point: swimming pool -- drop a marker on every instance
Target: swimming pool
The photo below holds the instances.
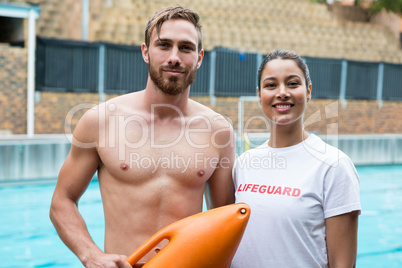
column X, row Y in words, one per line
column 380, row 224
column 28, row 239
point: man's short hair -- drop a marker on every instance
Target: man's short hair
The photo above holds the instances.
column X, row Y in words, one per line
column 170, row 13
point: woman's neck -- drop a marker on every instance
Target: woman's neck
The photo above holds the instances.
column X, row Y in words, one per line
column 286, row 135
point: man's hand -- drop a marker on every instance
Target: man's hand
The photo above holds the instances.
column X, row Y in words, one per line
column 108, row 261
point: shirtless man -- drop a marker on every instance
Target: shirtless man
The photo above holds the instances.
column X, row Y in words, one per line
column 155, row 151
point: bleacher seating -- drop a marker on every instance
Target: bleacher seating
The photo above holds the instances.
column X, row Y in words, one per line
column 256, row 26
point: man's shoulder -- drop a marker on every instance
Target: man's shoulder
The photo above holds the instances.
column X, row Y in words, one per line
column 119, row 105
column 201, row 109
column 126, row 104
column 216, row 119
column 125, row 98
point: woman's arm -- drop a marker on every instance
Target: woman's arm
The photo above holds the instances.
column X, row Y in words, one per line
column 341, row 234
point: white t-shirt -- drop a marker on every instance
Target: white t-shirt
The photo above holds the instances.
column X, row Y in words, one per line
column 291, row 191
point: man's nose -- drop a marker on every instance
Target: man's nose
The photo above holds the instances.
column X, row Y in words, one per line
column 174, row 58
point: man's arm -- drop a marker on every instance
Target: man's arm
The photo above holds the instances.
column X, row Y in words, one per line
column 74, row 178
column 341, row 233
column 219, row 190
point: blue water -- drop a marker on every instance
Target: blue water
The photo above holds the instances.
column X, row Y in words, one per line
column 380, row 225
column 28, row 239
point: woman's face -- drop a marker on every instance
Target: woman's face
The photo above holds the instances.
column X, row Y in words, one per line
column 283, row 93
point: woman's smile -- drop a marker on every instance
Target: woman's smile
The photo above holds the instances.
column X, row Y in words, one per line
column 283, row 94
column 283, row 107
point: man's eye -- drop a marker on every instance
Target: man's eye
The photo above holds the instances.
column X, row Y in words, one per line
column 187, row 48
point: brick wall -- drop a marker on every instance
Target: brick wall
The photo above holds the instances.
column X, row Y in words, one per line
column 13, row 84
column 53, row 109
column 59, row 112
column 349, row 12
column 323, row 116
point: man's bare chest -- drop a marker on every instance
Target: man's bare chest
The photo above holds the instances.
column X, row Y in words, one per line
column 160, row 152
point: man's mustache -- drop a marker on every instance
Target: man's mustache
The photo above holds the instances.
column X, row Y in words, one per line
column 173, row 67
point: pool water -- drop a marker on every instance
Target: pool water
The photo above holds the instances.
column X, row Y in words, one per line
column 27, row 236
column 28, row 239
column 380, row 224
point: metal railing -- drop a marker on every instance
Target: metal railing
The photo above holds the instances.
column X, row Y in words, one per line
column 73, row 66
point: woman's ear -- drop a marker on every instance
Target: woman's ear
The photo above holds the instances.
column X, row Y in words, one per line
column 259, row 96
column 309, row 92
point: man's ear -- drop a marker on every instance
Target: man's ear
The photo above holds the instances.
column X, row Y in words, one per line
column 200, row 57
column 145, row 55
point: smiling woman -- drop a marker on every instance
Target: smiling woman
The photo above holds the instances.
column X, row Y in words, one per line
column 304, row 211
column 284, row 93
column 284, row 88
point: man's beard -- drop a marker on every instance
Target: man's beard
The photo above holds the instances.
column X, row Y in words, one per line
column 173, row 85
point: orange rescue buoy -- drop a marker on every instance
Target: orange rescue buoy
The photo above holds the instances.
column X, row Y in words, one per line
column 205, row 240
